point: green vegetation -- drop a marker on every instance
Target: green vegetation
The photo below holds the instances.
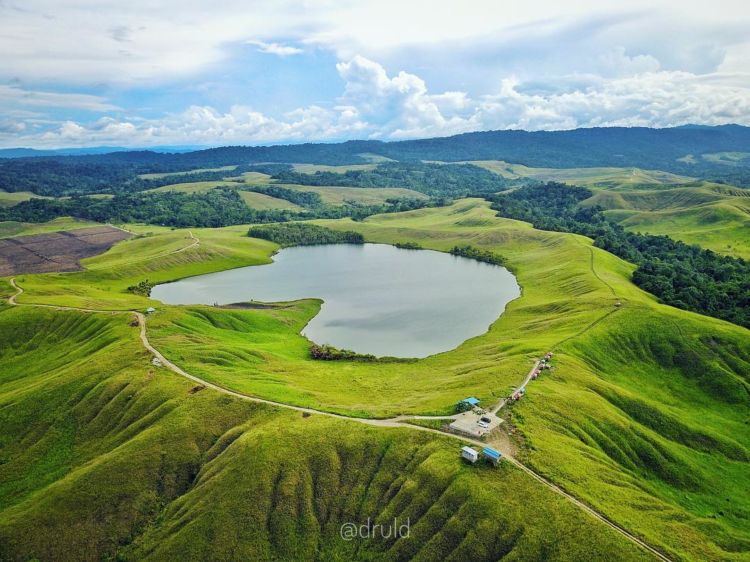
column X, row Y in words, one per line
column 15, row 228
column 91, row 428
column 455, row 180
column 644, row 416
column 186, row 172
column 408, row 245
column 301, row 198
column 330, row 353
column 680, row 275
column 337, row 196
column 261, row 202
column 486, row 256
column 302, row 234
column 217, row 207
column 11, row 199
column 142, row 288
column 712, row 215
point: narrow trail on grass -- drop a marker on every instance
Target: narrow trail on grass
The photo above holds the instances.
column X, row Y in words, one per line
column 397, row 422
column 593, row 270
column 195, row 241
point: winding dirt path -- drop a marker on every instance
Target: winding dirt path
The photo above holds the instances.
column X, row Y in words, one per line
column 398, row 422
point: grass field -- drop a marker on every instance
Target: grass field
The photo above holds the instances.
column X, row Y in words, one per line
column 711, row 215
column 364, row 195
column 714, row 216
column 262, row 201
column 106, row 457
column 8, row 199
column 194, row 186
column 611, row 178
column 186, row 172
column 644, row 416
column 312, row 168
column 13, row 228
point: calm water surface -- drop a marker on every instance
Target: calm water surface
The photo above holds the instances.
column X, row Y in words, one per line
column 377, row 299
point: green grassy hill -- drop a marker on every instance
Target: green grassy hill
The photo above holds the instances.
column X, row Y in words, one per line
column 712, row 215
column 645, row 416
column 106, row 457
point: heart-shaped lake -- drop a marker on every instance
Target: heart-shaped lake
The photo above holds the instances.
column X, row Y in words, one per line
column 377, row 298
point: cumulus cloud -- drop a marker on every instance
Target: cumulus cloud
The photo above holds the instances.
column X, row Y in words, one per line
column 374, row 104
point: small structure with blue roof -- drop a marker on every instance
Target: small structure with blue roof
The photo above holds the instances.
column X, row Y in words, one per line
column 492, row 455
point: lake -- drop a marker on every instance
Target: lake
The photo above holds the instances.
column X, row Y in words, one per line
column 378, row 299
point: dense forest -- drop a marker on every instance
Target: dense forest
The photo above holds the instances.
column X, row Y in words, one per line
column 308, row 199
column 677, row 149
column 58, row 178
column 304, row 234
column 684, row 276
column 217, row 207
column 454, row 180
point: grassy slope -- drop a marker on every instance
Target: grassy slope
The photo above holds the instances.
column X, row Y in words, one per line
column 714, row 216
column 587, row 177
column 186, row 172
column 365, row 195
column 13, row 228
column 157, row 255
column 312, row 168
column 648, row 425
column 262, row 201
column 105, row 456
column 10, row 199
column 194, row 186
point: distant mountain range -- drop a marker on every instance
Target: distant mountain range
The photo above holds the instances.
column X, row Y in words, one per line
column 31, row 152
column 677, row 149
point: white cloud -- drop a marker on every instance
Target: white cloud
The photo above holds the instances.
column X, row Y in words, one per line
column 375, row 104
column 17, row 96
column 81, row 41
column 276, row 48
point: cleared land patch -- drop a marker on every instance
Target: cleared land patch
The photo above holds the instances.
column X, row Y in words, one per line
column 56, row 251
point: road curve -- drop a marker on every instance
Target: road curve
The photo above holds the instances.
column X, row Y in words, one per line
column 398, row 421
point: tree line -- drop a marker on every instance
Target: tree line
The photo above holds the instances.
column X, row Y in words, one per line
column 454, row 180
column 304, row 234
column 216, row 207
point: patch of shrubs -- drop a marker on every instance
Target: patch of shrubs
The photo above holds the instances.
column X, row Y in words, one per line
column 330, row 353
column 478, row 254
column 143, row 288
column 302, row 234
column 408, row 245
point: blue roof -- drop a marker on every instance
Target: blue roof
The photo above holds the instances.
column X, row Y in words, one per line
column 471, row 400
column 492, row 453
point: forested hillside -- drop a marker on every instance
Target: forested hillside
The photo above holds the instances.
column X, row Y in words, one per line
column 691, row 150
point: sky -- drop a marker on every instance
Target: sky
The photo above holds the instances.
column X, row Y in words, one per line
column 184, row 72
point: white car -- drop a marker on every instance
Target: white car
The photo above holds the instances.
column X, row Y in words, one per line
column 484, row 423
